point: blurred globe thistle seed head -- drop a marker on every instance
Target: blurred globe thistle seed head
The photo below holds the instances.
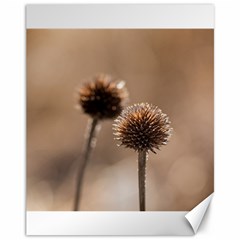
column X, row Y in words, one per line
column 103, row 98
column 142, row 127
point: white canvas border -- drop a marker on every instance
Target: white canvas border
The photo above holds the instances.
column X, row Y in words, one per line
column 107, row 223
column 119, row 16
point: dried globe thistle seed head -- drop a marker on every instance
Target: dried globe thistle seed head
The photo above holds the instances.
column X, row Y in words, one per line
column 142, row 127
column 103, row 98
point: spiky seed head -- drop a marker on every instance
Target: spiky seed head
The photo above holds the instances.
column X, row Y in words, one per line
column 142, row 127
column 103, row 98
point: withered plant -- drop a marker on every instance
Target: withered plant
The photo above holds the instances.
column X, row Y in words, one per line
column 103, row 98
column 142, row 127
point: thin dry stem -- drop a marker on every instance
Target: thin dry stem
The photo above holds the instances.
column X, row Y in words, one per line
column 89, row 145
column 142, row 158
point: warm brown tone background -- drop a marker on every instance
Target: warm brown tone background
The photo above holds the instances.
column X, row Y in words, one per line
column 169, row 68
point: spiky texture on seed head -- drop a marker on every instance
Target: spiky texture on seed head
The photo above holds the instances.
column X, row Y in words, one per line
column 103, row 98
column 142, row 127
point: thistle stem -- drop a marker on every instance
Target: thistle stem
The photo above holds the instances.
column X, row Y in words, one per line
column 88, row 146
column 142, row 157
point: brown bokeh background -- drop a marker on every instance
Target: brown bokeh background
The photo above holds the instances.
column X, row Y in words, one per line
column 172, row 69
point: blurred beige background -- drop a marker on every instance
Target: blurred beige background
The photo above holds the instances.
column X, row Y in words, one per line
column 172, row 69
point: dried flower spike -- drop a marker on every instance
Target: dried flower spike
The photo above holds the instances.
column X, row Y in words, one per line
column 142, row 127
column 103, row 98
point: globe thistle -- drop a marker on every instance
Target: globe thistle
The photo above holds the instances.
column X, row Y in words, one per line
column 103, row 98
column 142, row 127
